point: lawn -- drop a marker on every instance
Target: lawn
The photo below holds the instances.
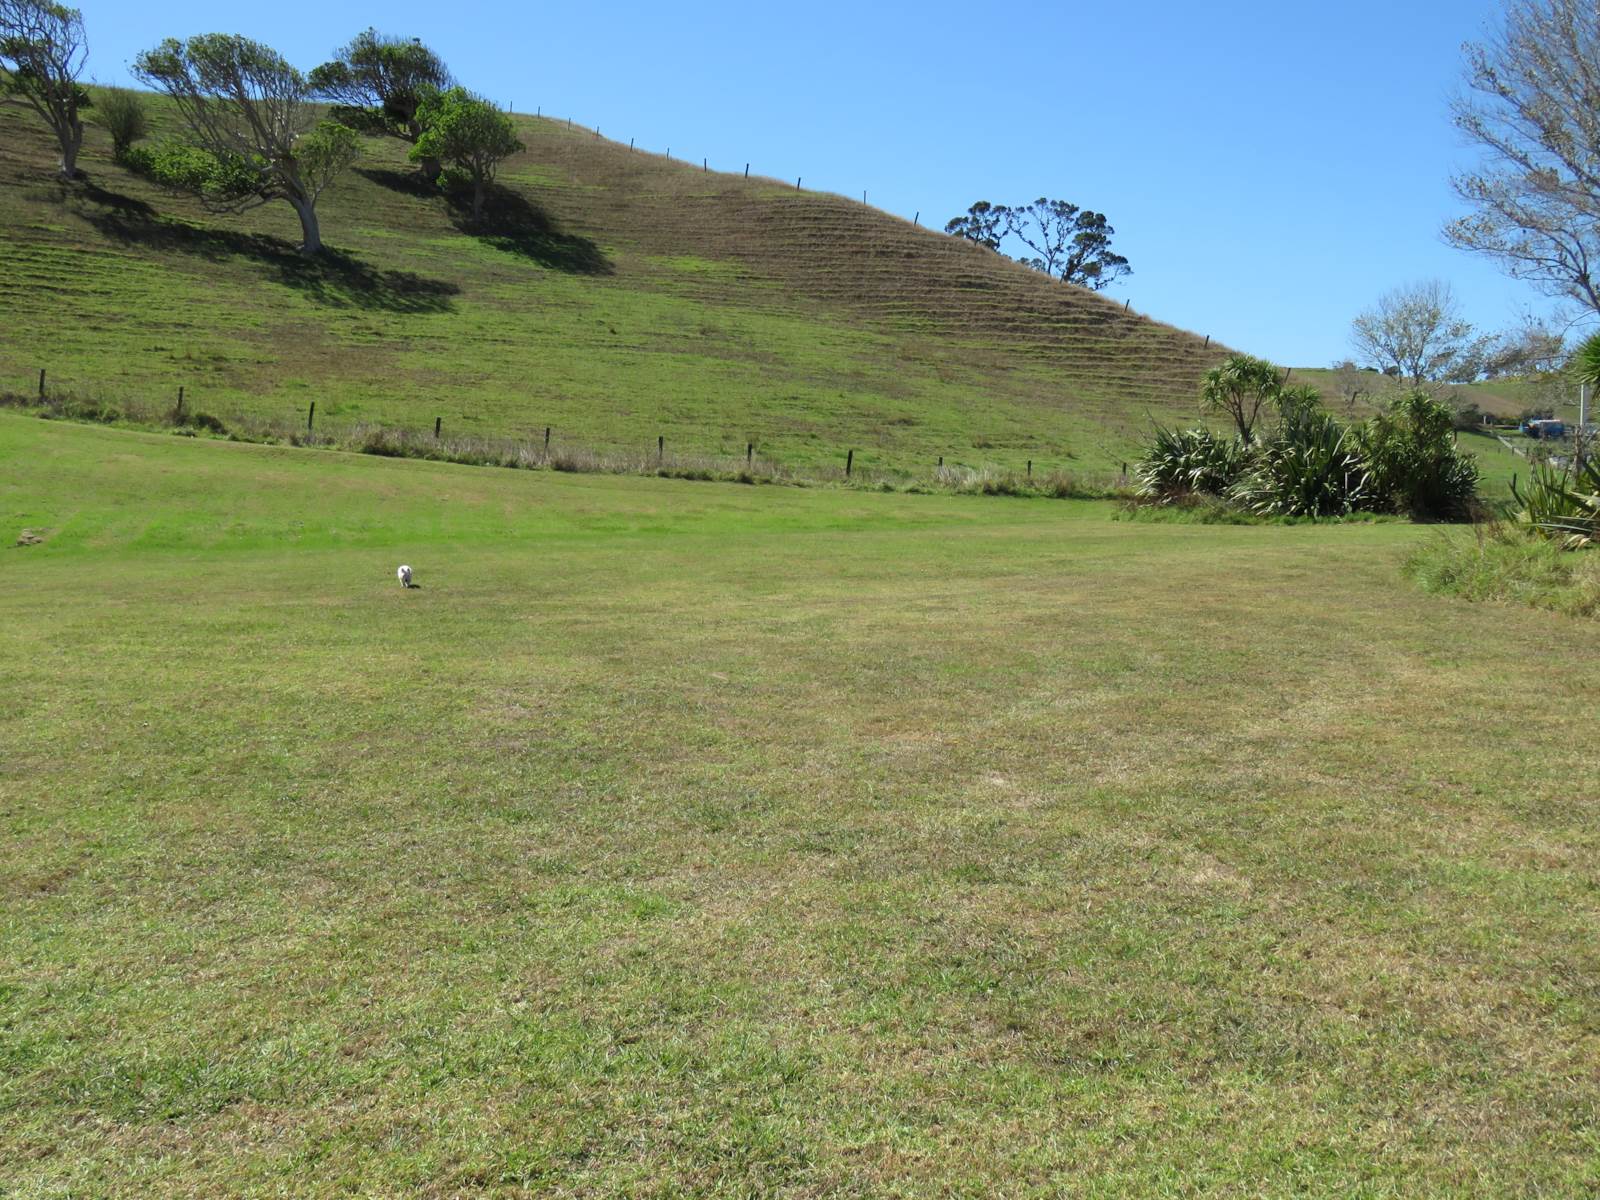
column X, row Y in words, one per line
column 696, row 839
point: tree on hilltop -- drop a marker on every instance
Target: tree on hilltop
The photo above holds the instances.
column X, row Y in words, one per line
column 983, row 223
column 468, row 134
column 249, row 113
column 387, row 79
column 1071, row 243
column 43, row 50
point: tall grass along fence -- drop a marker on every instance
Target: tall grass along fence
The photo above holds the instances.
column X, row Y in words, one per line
column 549, row 453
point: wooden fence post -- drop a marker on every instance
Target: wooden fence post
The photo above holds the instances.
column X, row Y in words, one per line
column 178, row 414
column 747, row 170
column 661, row 447
column 41, row 383
column 1030, row 468
column 849, row 463
column 311, row 415
column 547, row 441
column 749, row 454
column 436, row 423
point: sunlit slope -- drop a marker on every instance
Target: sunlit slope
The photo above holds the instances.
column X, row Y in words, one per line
column 622, row 296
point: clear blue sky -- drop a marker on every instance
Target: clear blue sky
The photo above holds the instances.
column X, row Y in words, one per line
column 1270, row 168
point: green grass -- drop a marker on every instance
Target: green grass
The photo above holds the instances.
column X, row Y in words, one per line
column 1508, row 564
column 624, row 297
column 683, row 838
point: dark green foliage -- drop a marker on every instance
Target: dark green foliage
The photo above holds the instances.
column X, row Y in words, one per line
column 1562, row 503
column 1311, row 465
column 123, row 114
column 1413, row 461
column 218, row 179
column 1183, row 462
column 983, row 223
column 470, row 136
column 1307, row 467
column 386, row 79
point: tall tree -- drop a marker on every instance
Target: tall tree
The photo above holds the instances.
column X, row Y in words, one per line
column 468, row 134
column 1417, row 332
column 43, row 51
column 1532, row 106
column 983, row 223
column 1240, row 388
column 1071, row 243
column 250, row 109
column 387, row 77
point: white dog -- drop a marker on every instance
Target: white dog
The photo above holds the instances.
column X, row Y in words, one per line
column 405, row 576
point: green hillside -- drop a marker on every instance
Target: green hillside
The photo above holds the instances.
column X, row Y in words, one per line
column 624, row 297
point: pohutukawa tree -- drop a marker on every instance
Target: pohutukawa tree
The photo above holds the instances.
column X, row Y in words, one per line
column 43, row 51
column 1533, row 108
column 983, row 223
column 386, row 77
column 1071, row 243
column 469, row 135
column 250, row 110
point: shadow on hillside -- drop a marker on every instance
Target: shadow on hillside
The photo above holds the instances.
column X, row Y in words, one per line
column 511, row 222
column 334, row 277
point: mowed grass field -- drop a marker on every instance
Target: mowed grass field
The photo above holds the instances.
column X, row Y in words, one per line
column 617, row 297
column 693, row 839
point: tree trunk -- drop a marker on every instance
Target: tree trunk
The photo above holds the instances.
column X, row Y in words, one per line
column 311, row 236
column 432, row 168
column 71, row 140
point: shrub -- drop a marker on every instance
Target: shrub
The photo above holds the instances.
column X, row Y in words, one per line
column 1507, row 563
column 1180, row 462
column 1562, row 503
column 1414, row 464
column 124, row 117
column 191, row 169
column 1308, row 467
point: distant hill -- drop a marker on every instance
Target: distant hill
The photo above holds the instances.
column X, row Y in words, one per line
column 625, row 296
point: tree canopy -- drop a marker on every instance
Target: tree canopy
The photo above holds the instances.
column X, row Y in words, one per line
column 1070, row 243
column 389, row 76
column 248, row 108
column 469, row 135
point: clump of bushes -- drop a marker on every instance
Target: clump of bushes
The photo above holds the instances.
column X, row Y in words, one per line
column 1504, row 563
column 123, row 114
column 1310, row 464
column 1562, row 504
column 195, row 171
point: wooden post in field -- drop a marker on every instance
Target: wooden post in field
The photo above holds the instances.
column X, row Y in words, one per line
column 661, row 448
column 178, row 413
column 941, row 462
column 797, row 185
column 747, row 170
column 311, row 415
column 849, row 463
column 630, row 145
column 437, row 421
column 916, row 220
column 749, row 454
column 41, row 383
column 1030, row 468
column 1208, row 341
column 863, row 196
column 1125, row 304
column 705, row 164
column 547, row 441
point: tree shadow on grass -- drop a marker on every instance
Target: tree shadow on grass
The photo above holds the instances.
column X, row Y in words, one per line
column 510, row 222
column 335, row 278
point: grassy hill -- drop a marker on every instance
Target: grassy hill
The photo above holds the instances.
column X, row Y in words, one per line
column 678, row 839
column 623, row 296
